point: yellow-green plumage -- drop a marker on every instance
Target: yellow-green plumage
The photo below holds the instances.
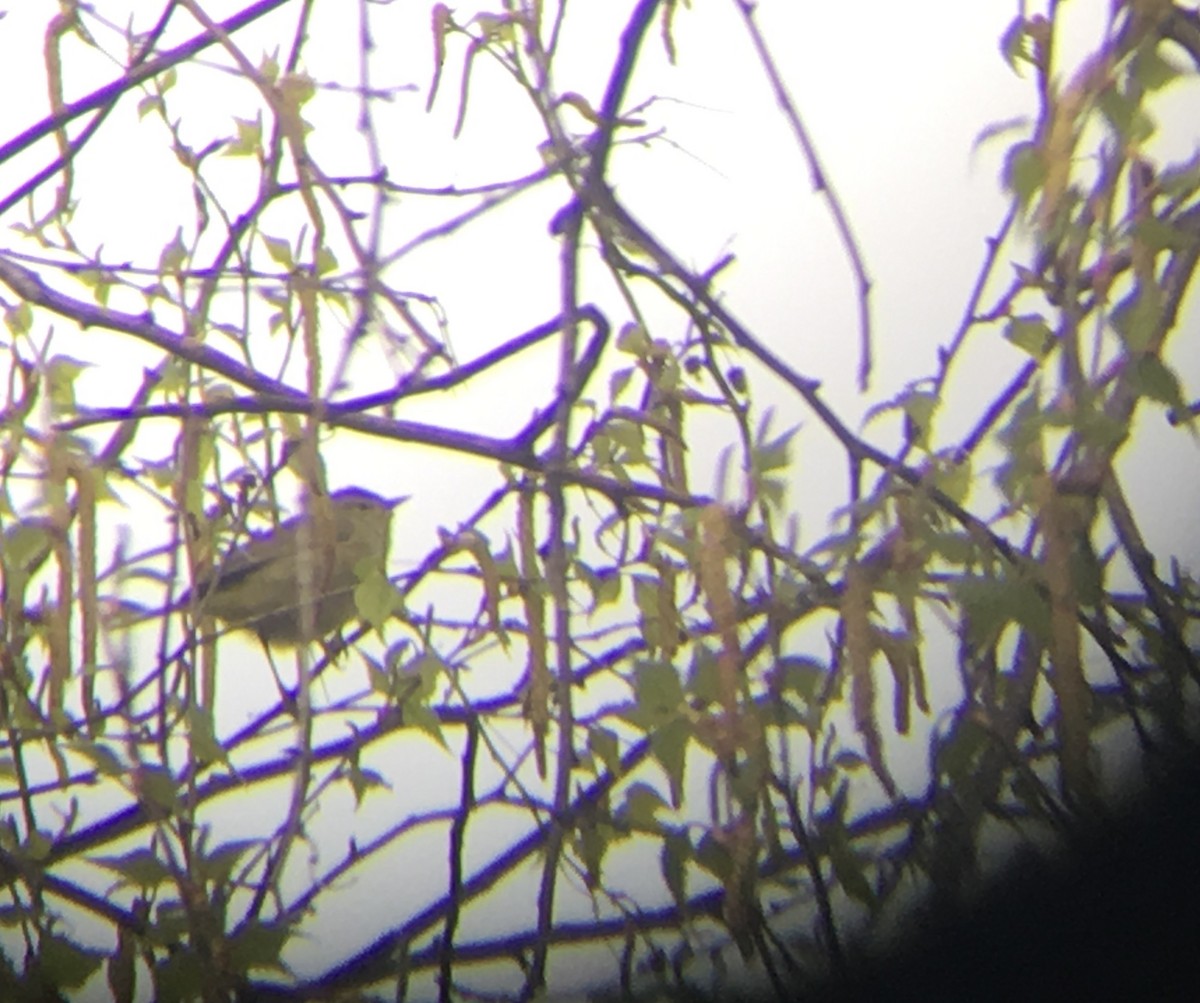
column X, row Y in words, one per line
column 296, row 583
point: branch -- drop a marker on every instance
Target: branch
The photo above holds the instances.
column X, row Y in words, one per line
column 131, row 78
column 821, row 183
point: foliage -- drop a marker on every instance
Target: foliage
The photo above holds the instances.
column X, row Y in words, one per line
column 678, row 672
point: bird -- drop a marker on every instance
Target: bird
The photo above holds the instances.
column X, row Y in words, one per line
column 296, row 583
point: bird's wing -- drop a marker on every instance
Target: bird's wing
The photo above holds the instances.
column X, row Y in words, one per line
column 233, row 569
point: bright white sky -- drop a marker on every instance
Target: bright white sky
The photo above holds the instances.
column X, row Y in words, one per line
column 893, row 94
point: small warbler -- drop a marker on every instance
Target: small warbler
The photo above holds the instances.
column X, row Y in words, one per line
column 296, row 583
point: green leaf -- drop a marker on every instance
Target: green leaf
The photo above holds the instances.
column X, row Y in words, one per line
column 326, row 262
column 205, row 747
column 1024, row 429
column 604, row 745
column 669, row 745
column 19, row 319
column 268, row 67
column 703, row 680
column 217, row 866
column 1137, row 316
column 657, row 615
column 362, row 782
column 917, row 404
column 633, row 340
column 642, row 803
column 682, row 543
column 1098, row 429
column 157, row 786
column 954, row 480
column 667, row 376
column 174, row 255
column 748, row 782
column 991, row 604
column 180, row 977
column 497, row 27
column 771, row 454
column 25, row 546
column 658, row 695
column 1151, row 378
column 1153, row 70
column 954, row 548
column 375, row 597
column 1087, row 573
column 139, row 868
column 258, row 945
column 61, row 373
column 1031, row 334
column 626, row 434
column 148, row 104
column 957, row 757
column 918, row 407
column 604, row 585
column 1121, row 111
column 673, row 859
column 1177, row 181
column 848, row 868
column 100, row 281
column 1159, row 235
column 280, row 252
column 1024, row 172
column 618, row 381
column 37, row 845
column 171, row 925
column 713, row 857
column 418, row 715
column 1127, row 116
column 592, row 840
column 806, row 677
column 65, row 964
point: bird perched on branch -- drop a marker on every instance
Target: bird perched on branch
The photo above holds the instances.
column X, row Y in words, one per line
column 296, row 583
